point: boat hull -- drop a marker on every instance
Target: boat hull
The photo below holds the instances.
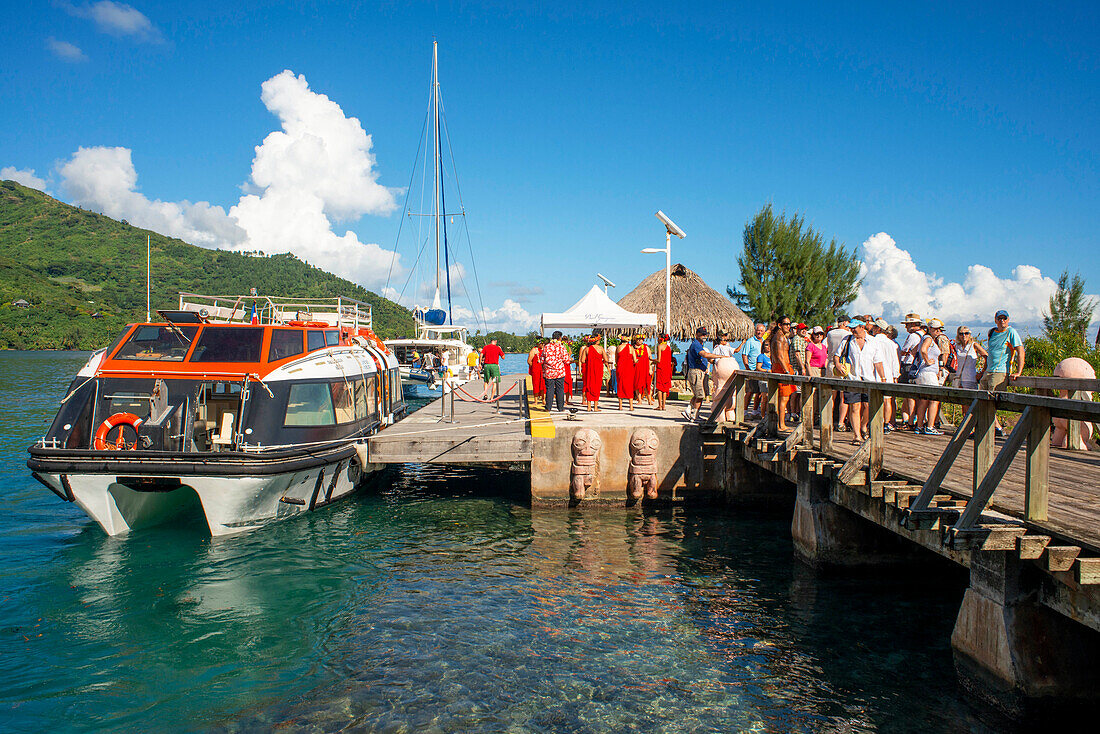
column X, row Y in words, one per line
column 124, row 499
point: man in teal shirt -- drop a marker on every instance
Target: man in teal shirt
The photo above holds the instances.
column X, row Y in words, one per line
column 1003, row 343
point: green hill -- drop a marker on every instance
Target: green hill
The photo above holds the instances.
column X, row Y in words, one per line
column 84, row 275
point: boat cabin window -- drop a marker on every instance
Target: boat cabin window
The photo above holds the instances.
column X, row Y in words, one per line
column 314, row 340
column 160, row 343
column 310, row 404
column 368, row 396
column 332, row 338
column 284, row 343
column 229, row 344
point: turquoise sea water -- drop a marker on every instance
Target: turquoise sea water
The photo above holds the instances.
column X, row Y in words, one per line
column 438, row 601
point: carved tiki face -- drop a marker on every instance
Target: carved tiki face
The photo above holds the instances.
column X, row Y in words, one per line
column 586, row 443
column 643, row 446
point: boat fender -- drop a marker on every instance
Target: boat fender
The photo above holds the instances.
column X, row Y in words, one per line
column 114, row 421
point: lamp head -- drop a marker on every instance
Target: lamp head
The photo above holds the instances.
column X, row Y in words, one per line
column 652, row 250
column 606, row 282
column 670, row 225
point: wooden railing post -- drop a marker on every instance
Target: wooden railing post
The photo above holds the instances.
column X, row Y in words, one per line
column 809, row 395
column 1037, row 481
column 875, row 427
column 825, row 416
column 1073, row 427
column 740, row 384
column 773, row 406
column 984, row 446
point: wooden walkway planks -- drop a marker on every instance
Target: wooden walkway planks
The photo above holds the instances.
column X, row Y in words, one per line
column 1074, row 479
column 478, row 435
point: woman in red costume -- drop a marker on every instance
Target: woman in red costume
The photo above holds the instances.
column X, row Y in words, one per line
column 624, row 368
column 663, row 378
column 592, row 372
column 642, row 370
column 534, row 368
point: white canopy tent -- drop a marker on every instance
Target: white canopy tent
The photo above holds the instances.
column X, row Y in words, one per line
column 597, row 311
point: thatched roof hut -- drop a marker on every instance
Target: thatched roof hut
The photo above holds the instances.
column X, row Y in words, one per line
column 694, row 304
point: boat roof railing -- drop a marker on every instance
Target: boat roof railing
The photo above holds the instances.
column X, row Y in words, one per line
column 340, row 311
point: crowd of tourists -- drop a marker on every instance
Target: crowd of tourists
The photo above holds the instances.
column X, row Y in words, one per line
column 869, row 349
column 863, row 348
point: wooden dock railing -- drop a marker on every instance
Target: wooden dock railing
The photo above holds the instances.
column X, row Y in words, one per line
column 1032, row 430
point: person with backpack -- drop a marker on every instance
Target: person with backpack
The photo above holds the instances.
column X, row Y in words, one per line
column 914, row 325
column 930, row 372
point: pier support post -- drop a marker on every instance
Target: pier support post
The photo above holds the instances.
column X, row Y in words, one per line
column 1015, row 654
column 826, row 534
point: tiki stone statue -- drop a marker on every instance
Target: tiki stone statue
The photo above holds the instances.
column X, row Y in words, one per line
column 642, row 474
column 586, row 446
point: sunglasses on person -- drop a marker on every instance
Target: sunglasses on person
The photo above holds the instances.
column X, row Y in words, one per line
column 784, row 323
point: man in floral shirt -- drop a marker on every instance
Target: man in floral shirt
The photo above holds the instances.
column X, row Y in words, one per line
column 554, row 358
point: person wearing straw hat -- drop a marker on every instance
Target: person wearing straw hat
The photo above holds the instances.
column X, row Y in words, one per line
column 930, row 374
column 914, row 326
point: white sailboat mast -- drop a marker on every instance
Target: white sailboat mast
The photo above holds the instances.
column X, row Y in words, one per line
column 435, row 168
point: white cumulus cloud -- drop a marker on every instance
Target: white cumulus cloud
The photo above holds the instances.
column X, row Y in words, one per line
column 316, row 169
column 105, row 179
column 24, row 176
column 117, row 19
column 65, row 50
column 511, row 317
column 893, row 285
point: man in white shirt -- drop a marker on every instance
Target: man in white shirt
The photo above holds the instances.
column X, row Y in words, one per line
column 863, row 356
column 833, row 340
column 890, row 363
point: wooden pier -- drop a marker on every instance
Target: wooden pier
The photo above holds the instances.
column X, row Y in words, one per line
column 461, row 430
column 1023, row 517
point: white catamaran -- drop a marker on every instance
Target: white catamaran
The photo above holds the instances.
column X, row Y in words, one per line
column 436, row 333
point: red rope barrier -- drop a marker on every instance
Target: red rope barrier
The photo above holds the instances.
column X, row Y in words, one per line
column 479, row 400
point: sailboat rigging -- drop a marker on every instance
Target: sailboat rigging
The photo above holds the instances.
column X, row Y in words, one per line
column 439, row 347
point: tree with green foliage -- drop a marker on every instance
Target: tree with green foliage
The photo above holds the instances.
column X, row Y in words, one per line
column 787, row 268
column 1070, row 312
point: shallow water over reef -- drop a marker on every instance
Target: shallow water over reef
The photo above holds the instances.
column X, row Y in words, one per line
column 438, row 601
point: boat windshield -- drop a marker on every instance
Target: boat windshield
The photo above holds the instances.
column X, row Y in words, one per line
column 229, row 344
column 158, row 343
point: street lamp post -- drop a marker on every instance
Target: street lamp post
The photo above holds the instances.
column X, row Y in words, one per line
column 670, row 229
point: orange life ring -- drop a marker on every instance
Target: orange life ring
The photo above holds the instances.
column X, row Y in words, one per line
column 118, row 419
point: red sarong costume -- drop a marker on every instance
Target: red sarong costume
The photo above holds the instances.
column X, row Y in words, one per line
column 538, row 385
column 780, row 369
column 624, row 369
column 569, row 378
column 592, row 376
column 642, row 374
column 663, row 378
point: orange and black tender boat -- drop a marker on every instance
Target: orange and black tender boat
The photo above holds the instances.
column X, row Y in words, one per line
column 256, row 407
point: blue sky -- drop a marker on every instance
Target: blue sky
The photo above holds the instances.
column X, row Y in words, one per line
column 950, row 145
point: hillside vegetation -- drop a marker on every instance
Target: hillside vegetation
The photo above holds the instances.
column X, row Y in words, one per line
column 71, row 264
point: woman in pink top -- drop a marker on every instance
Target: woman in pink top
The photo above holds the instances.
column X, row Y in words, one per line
column 818, row 352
